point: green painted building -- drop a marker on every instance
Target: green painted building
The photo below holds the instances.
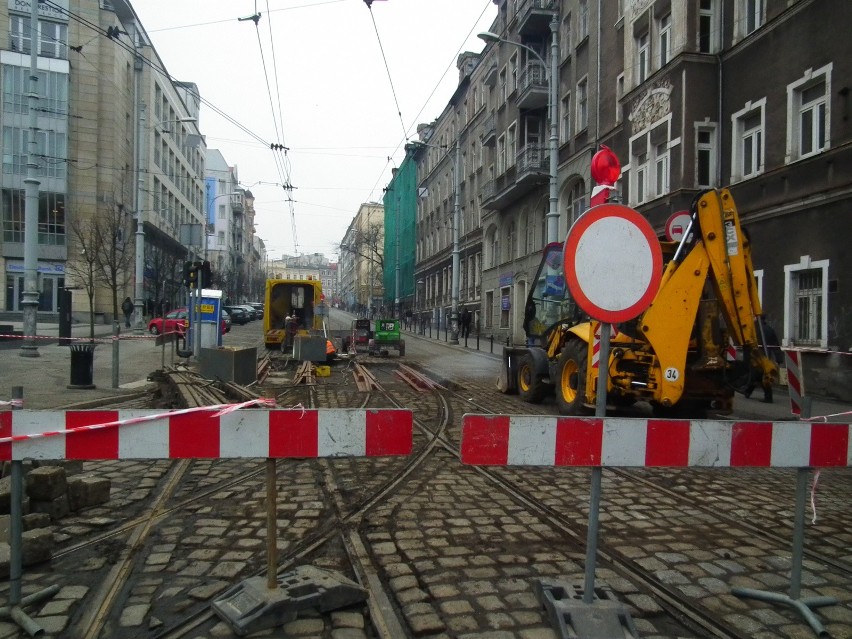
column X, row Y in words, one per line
column 400, row 202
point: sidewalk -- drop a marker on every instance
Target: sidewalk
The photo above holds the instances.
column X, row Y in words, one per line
column 45, row 378
column 748, row 408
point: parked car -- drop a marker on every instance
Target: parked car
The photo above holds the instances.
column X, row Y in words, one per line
column 252, row 313
column 238, row 315
column 257, row 306
column 174, row 322
column 226, row 322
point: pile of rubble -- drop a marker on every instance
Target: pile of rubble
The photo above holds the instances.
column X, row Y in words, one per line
column 51, row 492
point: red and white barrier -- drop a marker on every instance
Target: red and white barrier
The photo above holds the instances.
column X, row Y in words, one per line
column 596, row 344
column 795, row 381
column 207, row 433
column 521, row 440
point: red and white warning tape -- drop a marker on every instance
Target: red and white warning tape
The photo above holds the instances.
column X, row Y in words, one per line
column 222, row 409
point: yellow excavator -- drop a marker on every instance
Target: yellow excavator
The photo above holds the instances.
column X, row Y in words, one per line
column 672, row 355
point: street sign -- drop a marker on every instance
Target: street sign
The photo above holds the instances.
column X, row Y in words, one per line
column 613, row 263
column 676, row 225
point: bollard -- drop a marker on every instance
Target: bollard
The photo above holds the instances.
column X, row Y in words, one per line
column 16, row 551
column 115, row 354
column 477, row 340
column 492, row 343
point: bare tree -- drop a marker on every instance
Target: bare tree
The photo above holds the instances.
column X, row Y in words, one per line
column 368, row 244
column 114, row 258
column 83, row 242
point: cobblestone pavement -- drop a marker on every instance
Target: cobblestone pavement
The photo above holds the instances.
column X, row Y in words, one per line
column 456, row 555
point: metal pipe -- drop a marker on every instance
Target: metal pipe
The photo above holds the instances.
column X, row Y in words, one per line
column 29, row 300
column 454, row 313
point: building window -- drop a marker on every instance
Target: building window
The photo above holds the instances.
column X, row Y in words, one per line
column 643, row 49
column 565, row 37
column 513, row 74
column 501, row 155
column 753, row 15
column 705, row 156
column 511, row 144
column 665, row 39
column 806, row 301
column 19, row 33
column 748, row 141
column 53, row 39
column 808, row 114
column 661, row 169
column 489, row 309
column 503, row 90
column 51, row 217
column 619, row 94
column 708, row 26
column 582, row 104
column 576, row 202
column 565, row 129
column 504, row 302
column 583, row 20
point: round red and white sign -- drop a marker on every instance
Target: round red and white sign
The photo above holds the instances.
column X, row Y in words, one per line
column 676, row 225
column 613, row 263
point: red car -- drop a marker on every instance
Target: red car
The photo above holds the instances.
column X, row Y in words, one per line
column 176, row 321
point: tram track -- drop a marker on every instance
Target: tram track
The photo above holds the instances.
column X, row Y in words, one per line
column 354, row 489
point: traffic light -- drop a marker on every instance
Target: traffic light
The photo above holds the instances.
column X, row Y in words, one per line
column 206, row 276
column 190, row 274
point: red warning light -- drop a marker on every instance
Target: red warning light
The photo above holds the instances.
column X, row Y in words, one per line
column 606, row 168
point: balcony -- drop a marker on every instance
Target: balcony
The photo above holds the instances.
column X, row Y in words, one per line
column 489, row 130
column 490, row 76
column 534, row 16
column 237, row 202
column 532, row 87
column 530, row 172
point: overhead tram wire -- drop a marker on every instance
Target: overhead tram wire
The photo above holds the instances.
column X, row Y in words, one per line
column 369, row 4
column 96, row 28
column 450, row 64
column 112, row 36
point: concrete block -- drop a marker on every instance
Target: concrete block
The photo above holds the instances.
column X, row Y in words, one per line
column 87, row 491
column 28, row 522
column 56, row 508
column 238, row 365
column 309, row 349
column 6, row 497
column 36, row 548
column 46, row 483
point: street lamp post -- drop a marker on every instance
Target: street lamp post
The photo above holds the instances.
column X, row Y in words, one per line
column 29, row 303
column 552, row 114
column 455, row 267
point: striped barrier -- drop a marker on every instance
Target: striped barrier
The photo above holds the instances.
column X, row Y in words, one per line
column 596, row 344
column 795, row 381
column 204, row 433
column 629, row 442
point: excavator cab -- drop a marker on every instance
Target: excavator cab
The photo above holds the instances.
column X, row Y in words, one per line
column 549, row 301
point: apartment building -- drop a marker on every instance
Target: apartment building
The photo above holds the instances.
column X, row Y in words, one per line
column 118, row 158
column 362, row 260
column 711, row 93
column 400, row 206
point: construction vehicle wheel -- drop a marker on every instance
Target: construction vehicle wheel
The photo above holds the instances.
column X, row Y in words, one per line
column 571, row 378
column 531, row 388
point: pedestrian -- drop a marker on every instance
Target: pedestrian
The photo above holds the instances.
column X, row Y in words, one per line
column 127, row 309
column 465, row 323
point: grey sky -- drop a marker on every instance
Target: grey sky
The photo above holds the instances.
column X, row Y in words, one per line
column 332, row 101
